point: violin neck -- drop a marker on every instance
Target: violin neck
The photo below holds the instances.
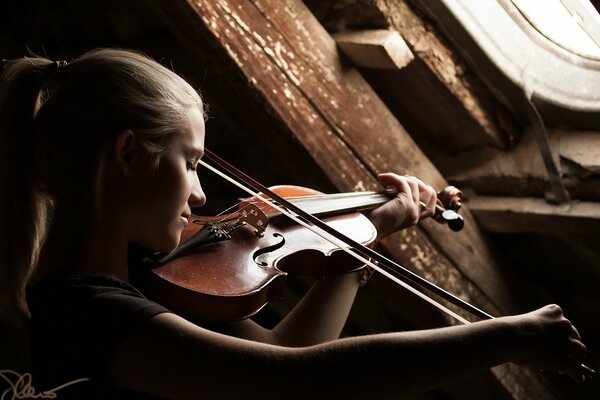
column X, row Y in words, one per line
column 340, row 203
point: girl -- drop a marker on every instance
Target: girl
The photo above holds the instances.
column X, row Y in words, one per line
column 88, row 151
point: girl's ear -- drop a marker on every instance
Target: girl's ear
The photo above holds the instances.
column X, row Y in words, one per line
column 124, row 150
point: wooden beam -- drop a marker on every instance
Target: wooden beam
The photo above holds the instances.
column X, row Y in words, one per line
column 531, row 215
column 378, row 48
column 520, row 171
column 581, row 148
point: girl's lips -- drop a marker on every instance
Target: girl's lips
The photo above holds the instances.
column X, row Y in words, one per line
column 185, row 220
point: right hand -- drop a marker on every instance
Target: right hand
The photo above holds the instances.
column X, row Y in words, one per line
column 547, row 340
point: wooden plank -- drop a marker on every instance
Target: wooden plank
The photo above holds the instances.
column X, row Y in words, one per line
column 580, row 163
column 581, row 148
column 377, row 48
column 531, row 215
column 520, row 171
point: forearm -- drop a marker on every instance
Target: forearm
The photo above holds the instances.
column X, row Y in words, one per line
column 318, row 317
column 321, row 314
column 412, row 362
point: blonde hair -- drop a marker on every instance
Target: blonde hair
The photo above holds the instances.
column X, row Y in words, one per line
column 55, row 120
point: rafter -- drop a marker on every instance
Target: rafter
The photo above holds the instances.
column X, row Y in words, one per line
column 534, row 215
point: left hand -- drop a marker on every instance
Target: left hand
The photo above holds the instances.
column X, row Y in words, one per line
column 404, row 210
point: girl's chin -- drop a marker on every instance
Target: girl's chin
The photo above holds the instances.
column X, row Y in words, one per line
column 169, row 244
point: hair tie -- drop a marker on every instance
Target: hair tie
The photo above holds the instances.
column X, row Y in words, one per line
column 55, row 67
column 59, row 64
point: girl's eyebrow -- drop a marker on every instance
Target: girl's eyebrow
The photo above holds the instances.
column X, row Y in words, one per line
column 194, row 151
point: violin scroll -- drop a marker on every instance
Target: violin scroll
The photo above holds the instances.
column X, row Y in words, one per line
column 449, row 202
column 451, row 198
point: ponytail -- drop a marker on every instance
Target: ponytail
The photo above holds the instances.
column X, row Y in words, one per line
column 21, row 211
column 55, row 121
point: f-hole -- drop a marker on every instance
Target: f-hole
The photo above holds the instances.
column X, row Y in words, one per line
column 268, row 249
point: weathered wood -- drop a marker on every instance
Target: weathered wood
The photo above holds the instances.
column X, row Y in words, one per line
column 531, row 215
column 581, row 148
column 444, row 64
column 452, row 109
column 521, row 171
column 293, row 64
column 379, row 48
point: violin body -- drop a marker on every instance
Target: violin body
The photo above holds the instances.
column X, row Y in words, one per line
column 232, row 279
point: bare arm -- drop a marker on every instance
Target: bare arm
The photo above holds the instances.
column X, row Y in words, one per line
column 171, row 357
column 319, row 317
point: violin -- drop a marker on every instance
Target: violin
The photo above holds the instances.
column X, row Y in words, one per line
column 228, row 267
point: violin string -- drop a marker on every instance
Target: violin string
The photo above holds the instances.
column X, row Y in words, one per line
column 343, row 246
column 227, row 217
column 303, row 199
column 227, row 209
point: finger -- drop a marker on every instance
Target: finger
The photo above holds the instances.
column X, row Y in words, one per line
column 554, row 310
column 415, row 192
column 397, row 181
column 428, row 196
column 423, row 187
column 575, row 333
column 577, row 350
column 432, row 201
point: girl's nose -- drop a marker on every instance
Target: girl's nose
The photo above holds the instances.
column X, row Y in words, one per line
column 197, row 196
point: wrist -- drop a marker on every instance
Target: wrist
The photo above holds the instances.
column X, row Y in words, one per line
column 379, row 223
column 512, row 337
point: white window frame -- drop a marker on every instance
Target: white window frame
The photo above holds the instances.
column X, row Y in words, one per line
column 512, row 57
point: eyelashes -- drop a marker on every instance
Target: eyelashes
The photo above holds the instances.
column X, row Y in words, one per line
column 192, row 166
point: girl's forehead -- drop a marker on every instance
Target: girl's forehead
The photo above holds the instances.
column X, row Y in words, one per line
column 193, row 138
column 196, row 120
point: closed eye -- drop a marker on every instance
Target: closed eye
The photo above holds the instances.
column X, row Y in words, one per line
column 192, row 165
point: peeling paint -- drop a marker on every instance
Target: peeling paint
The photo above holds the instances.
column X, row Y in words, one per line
column 259, row 39
column 233, row 55
column 241, row 22
column 359, row 187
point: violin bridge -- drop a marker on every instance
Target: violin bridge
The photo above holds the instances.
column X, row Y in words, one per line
column 252, row 215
